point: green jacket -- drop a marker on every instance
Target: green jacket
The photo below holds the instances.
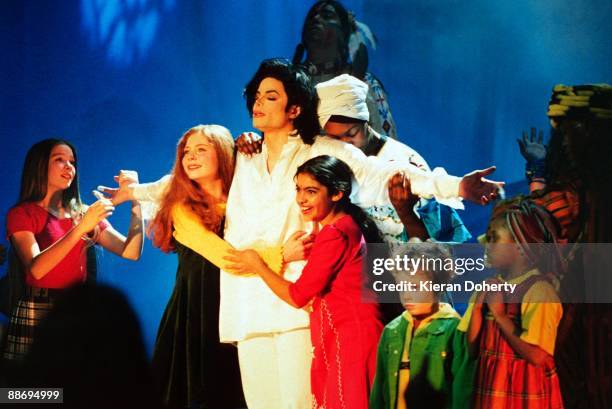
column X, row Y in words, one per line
column 438, row 357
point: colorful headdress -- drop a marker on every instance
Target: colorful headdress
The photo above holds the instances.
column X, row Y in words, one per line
column 581, row 102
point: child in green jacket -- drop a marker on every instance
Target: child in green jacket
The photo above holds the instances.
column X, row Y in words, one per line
column 422, row 360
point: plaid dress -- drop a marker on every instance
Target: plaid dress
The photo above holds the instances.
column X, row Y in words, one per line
column 504, row 379
column 26, row 316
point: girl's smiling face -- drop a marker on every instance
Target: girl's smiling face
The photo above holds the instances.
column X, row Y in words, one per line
column 200, row 161
column 315, row 201
column 62, row 168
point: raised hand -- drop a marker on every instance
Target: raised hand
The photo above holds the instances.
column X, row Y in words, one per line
column 100, row 210
column 297, row 247
column 476, row 188
column 532, row 147
column 125, row 179
column 249, row 143
column 403, row 200
column 400, row 194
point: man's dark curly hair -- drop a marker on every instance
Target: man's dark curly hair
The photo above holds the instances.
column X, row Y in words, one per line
column 300, row 92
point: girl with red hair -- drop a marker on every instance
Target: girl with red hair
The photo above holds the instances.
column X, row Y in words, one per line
column 192, row 367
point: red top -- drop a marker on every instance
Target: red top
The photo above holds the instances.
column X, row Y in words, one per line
column 47, row 230
column 344, row 328
column 334, row 267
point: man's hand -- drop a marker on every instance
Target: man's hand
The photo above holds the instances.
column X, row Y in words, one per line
column 125, row 192
column 249, row 143
column 476, row 188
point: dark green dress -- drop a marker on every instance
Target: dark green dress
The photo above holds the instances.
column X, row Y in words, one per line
column 192, row 367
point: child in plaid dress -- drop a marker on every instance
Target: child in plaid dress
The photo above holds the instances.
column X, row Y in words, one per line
column 50, row 231
column 513, row 334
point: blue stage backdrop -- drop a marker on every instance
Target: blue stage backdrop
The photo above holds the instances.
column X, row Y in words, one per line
column 123, row 79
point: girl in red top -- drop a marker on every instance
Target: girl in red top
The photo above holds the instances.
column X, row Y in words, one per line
column 344, row 330
column 50, row 231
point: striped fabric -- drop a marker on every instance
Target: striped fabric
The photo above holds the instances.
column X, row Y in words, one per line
column 564, row 205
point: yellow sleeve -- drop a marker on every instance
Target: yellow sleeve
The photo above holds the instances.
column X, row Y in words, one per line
column 541, row 312
column 273, row 257
column 189, row 231
column 464, row 324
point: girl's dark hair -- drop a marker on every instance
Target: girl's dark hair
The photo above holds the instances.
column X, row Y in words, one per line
column 300, row 92
column 337, row 177
column 35, row 173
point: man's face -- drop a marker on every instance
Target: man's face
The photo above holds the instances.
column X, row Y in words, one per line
column 353, row 133
column 269, row 109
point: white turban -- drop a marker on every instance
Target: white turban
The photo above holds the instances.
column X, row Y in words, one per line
column 343, row 95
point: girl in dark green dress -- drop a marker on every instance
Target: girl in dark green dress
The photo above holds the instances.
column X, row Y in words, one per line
column 192, row 367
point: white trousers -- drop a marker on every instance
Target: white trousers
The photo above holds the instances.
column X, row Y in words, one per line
column 275, row 370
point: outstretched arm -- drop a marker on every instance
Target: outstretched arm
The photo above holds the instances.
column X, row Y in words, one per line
column 129, row 189
column 131, row 247
column 372, row 174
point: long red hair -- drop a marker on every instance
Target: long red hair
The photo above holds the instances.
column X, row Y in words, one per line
column 182, row 190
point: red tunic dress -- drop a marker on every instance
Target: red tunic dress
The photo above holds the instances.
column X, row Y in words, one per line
column 344, row 330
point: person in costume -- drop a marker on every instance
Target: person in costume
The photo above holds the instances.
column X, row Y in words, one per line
column 51, row 230
column 344, row 328
column 570, row 179
column 344, row 115
column 422, row 360
column 334, row 43
column 513, row 334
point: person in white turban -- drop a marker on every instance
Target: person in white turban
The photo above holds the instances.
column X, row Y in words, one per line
column 343, row 115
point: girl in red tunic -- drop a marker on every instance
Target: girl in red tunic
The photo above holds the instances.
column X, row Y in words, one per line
column 513, row 334
column 50, row 231
column 344, row 330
